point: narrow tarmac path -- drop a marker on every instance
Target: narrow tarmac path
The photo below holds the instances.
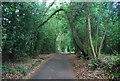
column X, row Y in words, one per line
column 55, row 68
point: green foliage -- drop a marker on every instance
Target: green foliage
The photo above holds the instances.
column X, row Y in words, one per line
column 21, row 70
column 7, row 69
column 19, row 29
column 91, row 65
column 113, row 68
column 94, row 64
column 22, row 39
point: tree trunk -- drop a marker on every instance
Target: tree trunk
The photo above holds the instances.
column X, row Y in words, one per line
column 89, row 30
column 105, row 45
column 96, row 47
column 104, row 35
column 77, row 42
column 98, row 24
column 101, row 43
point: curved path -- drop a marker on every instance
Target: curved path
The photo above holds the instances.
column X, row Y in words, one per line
column 55, row 68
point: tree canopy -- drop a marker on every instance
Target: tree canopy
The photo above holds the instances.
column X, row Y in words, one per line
column 32, row 28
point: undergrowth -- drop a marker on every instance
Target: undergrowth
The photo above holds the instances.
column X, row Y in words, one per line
column 111, row 68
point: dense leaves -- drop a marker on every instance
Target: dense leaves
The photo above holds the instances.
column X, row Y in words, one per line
column 19, row 32
column 23, row 38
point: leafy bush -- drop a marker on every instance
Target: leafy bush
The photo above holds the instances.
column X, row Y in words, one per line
column 17, row 68
column 94, row 64
column 6, row 69
column 21, row 70
column 114, row 68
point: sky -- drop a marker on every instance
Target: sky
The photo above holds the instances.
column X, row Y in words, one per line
column 50, row 1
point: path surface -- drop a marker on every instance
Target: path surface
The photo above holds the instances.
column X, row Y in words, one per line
column 55, row 68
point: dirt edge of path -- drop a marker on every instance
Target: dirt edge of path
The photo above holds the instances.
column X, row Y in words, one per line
column 33, row 71
column 81, row 70
column 28, row 67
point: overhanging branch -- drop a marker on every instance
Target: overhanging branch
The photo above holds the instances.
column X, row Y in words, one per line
column 50, row 17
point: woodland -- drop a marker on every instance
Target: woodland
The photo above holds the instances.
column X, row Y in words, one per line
column 90, row 30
